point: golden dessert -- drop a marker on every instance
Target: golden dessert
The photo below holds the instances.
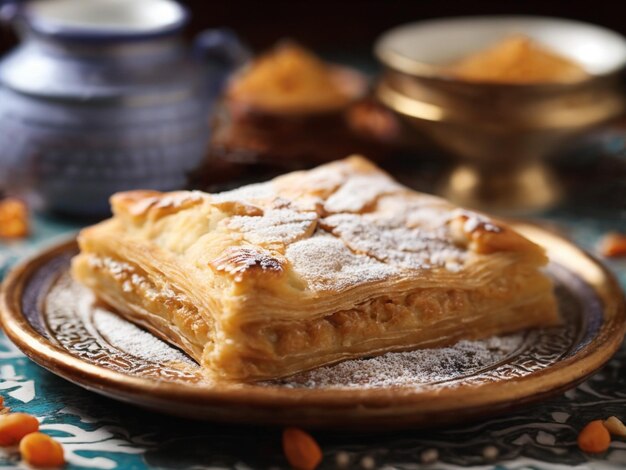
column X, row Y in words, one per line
column 311, row 268
column 289, row 78
column 518, row 59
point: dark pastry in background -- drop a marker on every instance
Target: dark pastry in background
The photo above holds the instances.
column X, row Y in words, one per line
column 288, row 109
column 290, row 80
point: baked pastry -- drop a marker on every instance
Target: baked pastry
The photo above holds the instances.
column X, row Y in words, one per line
column 311, row 268
column 290, row 79
column 289, row 109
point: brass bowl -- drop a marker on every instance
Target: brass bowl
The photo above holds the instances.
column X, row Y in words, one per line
column 501, row 133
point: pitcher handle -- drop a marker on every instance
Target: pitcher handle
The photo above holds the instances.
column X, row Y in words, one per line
column 222, row 47
column 222, row 52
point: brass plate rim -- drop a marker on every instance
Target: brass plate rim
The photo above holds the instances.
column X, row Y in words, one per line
column 394, row 407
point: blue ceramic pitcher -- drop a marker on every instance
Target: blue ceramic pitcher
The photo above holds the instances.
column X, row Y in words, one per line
column 103, row 96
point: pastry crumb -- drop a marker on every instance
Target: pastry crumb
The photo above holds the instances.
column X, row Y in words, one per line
column 368, row 463
column 429, row 456
column 491, row 452
column 342, row 459
column 615, row 426
column 613, row 245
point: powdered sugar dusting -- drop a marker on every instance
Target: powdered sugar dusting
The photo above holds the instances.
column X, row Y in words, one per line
column 381, row 229
column 135, row 341
column 131, row 281
column 252, row 193
column 410, row 369
column 321, row 181
column 426, row 218
column 95, row 333
column 475, row 221
column 325, row 262
column 392, row 242
column 275, row 226
column 360, row 191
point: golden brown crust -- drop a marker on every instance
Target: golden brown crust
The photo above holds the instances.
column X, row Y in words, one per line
column 153, row 204
column 485, row 236
column 243, row 261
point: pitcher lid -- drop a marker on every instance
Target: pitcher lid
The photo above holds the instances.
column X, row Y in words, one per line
column 103, row 19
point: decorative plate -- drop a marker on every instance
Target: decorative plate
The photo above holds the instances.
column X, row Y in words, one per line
column 59, row 326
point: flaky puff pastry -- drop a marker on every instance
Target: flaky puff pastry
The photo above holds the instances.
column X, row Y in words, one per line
column 311, row 268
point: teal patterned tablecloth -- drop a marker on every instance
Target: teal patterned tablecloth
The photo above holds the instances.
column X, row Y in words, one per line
column 100, row 433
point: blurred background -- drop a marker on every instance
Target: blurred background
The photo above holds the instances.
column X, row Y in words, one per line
column 527, row 173
column 353, row 25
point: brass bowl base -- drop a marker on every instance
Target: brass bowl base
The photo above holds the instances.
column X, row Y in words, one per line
column 507, row 191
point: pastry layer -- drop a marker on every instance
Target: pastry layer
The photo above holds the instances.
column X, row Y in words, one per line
column 310, row 269
column 428, row 317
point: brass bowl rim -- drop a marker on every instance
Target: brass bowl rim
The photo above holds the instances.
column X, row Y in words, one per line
column 398, row 62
